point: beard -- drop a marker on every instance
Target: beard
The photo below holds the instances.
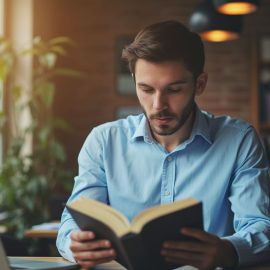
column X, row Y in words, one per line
column 169, row 129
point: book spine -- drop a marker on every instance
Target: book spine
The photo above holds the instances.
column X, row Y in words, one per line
column 136, row 252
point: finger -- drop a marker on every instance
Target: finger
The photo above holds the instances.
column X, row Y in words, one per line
column 82, row 236
column 94, row 255
column 185, row 245
column 187, row 258
column 86, row 265
column 90, row 245
column 200, row 235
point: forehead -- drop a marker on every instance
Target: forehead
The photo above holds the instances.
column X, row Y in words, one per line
column 165, row 71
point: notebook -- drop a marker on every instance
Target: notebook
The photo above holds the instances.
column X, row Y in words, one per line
column 16, row 263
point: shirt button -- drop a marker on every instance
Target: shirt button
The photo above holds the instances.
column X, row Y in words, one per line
column 167, row 193
column 169, row 158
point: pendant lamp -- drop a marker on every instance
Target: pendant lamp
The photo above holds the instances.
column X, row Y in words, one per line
column 236, row 7
column 213, row 26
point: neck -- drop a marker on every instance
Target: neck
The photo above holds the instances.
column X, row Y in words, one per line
column 170, row 142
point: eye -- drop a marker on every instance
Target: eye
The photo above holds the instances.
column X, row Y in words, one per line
column 146, row 89
column 174, row 89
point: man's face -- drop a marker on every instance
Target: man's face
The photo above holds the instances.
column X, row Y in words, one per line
column 166, row 93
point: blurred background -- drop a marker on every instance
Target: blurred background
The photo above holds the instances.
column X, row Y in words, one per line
column 80, row 43
column 97, row 25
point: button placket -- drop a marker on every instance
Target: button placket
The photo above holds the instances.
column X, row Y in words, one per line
column 167, row 180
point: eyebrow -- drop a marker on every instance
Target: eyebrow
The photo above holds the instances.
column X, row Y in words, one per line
column 170, row 84
column 178, row 82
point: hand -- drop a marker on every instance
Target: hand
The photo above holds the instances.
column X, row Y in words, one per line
column 89, row 252
column 206, row 254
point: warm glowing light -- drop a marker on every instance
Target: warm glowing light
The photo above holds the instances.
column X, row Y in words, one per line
column 218, row 35
column 239, row 8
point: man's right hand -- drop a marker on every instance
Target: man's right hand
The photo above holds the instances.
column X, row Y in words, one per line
column 89, row 252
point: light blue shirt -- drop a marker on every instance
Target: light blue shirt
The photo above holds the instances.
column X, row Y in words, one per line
column 222, row 164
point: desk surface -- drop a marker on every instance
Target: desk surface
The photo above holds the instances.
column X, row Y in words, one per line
column 115, row 266
column 34, row 233
column 44, row 230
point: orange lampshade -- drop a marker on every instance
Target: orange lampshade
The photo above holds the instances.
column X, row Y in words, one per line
column 237, row 7
column 218, row 35
column 213, row 26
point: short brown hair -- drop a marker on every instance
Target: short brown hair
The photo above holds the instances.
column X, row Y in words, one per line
column 167, row 41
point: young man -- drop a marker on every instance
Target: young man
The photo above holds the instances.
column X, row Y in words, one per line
column 173, row 151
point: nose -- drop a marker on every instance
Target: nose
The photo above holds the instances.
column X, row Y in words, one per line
column 159, row 102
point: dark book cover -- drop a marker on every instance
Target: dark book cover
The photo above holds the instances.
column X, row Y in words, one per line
column 156, row 232
column 102, row 232
column 142, row 251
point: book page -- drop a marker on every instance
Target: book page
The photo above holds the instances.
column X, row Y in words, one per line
column 160, row 210
column 102, row 212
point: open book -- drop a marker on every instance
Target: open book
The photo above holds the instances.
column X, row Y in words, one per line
column 138, row 244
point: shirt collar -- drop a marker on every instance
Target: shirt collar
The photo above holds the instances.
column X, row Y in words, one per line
column 142, row 131
column 200, row 128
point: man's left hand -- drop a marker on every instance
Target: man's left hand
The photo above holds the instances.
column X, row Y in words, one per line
column 206, row 254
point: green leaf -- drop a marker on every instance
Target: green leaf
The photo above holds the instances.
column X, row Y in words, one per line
column 6, row 59
column 6, row 63
column 16, row 92
column 48, row 60
column 32, row 126
column 61, row 40
column 31, row 51
column 58, row 151
column 37, row 40
column 43, row 135
column 59, row 50
column 27, row 181
column 4, row 44
column 46, row 91
column 3, row 71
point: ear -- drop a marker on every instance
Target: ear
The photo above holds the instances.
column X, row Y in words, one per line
column 201, row 83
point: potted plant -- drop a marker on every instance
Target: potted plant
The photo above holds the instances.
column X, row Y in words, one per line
column 29, row 181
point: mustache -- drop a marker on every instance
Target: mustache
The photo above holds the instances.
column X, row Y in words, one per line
column 164, row 113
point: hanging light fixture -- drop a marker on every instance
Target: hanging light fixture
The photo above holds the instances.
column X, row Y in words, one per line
column 236, row 7
column 214, row 26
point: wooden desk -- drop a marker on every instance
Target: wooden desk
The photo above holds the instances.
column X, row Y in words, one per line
column 45, row 241
column 44, row 230
column 34, row 233
column 115, row 266
column 105, row 266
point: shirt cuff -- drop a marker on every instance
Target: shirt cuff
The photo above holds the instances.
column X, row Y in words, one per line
column 247, row 254
column 63, row 245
